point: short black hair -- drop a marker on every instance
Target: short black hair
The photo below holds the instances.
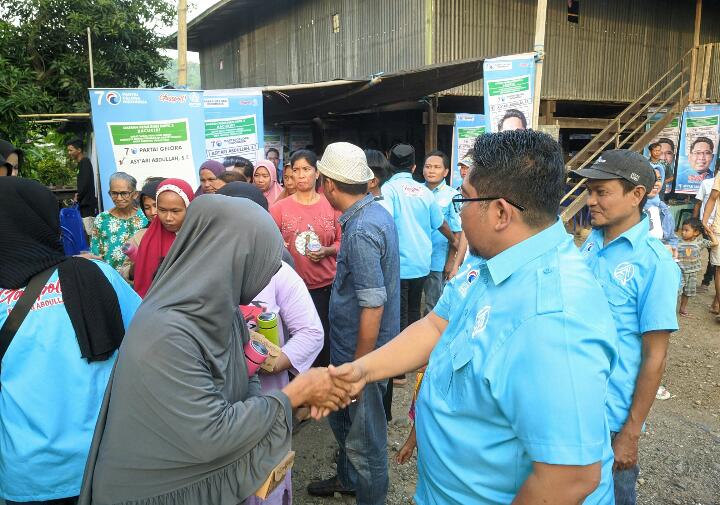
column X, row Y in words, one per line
column 653, row 145
column 703, row 139
column 304, row 154
column 245, row 165
column 350, row 189
column 441, row 155
column 513, row 113
column 665, row 140
column 76, row 143
column 628, row 187
column 525, row 166
column 230, row 161
column 272, row 149
column 379, row 164
column 695, row 224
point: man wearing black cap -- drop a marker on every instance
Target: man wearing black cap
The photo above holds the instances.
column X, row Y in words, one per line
column 640, row 280
column 416, row 215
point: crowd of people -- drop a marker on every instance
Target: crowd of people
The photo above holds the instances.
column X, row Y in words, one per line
column 127, row 372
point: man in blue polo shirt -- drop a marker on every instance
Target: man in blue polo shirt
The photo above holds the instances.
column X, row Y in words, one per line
column 435, row 170
column 641, row 282
column 520, row 347
column 416, row 216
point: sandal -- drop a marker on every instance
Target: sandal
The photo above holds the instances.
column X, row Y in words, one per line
column 684, row 313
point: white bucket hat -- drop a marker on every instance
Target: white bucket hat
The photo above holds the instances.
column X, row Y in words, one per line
column 345, row 162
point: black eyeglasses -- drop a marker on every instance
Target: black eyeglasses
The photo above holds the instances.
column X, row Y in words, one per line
column 120, row 194
column 458, row 201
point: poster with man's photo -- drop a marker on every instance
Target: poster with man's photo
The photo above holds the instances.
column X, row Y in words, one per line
column 698, row 146
column 509, row 84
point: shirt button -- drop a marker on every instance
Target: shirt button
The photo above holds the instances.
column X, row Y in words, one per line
column 547, row 270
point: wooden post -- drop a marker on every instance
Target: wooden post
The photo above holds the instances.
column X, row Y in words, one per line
column 696, row 44
column 431, row 126
column 429, row 27
column 182, row 43
column 92, row 72
column 539, row 48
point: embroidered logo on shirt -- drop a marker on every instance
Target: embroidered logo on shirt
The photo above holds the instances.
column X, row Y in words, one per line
column 624, row 272
column 472, row 275
column 413, row 191
column 481, row 320
column 588, row 248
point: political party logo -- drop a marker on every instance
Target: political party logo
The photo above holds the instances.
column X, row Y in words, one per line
column 624, row 272
column 481, row 320
column 589, row 247
column 471, row 276
column 113, row 98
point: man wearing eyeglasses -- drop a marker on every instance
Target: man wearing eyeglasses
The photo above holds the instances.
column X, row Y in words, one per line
column 520, row 346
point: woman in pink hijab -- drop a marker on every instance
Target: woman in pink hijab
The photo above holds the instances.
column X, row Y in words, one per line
column 265, row 178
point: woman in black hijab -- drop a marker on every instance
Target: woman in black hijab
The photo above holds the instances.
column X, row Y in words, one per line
column 57, row 364
column 13, row 157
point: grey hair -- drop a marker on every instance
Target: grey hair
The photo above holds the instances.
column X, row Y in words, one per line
column 122, row 176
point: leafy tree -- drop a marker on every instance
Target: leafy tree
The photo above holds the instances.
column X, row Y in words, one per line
column 193, row 73
column 44, row 59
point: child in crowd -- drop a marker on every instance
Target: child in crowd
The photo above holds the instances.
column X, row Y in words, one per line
column 406, row 451
column 693, row 235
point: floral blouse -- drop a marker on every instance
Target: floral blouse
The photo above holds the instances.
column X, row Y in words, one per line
column 110, row 233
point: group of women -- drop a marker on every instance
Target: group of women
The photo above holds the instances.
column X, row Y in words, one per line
column 179, row 401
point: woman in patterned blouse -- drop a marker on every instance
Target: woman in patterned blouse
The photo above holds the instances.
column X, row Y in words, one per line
column 114, row 227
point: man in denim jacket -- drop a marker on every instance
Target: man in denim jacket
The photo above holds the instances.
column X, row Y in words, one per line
column 364, row 315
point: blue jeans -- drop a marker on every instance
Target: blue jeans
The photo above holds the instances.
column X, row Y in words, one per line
column 361, row 433
column 625, row 483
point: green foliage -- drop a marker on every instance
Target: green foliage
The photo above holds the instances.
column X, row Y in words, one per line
column 46, row 160
column 193, row 73
column 44, row 58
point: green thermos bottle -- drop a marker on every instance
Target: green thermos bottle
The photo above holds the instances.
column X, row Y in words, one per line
column 267, row 326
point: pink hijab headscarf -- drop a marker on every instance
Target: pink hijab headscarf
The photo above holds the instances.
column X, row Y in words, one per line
column 273, row 192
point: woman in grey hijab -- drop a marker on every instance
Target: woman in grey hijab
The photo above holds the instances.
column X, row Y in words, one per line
column 181, row 423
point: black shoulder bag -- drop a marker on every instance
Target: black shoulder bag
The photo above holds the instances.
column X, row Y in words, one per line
column 22, row 308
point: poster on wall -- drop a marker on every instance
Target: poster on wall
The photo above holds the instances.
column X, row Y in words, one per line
column 300, row 137
column 274, row 140
column 147, row 133
column 509, row 84
column 698, row 146
column 668, row 137
column 466, row 130
column 234, row 124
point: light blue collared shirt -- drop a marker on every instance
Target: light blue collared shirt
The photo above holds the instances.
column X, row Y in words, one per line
column 416, row 215
column 443, row 196
column 641, row 282
column 519, row 375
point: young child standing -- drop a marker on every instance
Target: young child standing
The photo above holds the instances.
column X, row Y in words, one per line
column 693, row 235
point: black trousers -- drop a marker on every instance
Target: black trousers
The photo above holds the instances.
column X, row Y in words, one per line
column 709, row 274
column 321, row 300
column 411, row 291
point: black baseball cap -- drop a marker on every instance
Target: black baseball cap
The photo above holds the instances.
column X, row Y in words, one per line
column 402, row 157
column 621, row 164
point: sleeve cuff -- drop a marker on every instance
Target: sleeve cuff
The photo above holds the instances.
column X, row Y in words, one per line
column 372, row 297
column 556, row 454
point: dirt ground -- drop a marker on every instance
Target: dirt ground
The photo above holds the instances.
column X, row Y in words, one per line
column 679, row 453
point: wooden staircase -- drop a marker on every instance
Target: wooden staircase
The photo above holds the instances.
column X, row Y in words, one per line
column 668, row 97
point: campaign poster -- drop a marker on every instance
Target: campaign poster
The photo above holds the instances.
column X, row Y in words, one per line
column 234, row 124
column 509, row 84
column 698, row 146
column 668, row 137
column 274, row 140
column 466, row 130
column 300, row 137
column 147, row 133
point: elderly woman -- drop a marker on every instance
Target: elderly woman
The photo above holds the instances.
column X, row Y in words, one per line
column 60, row 358
column 116, row 226
column 209, row 172
column 182, row 423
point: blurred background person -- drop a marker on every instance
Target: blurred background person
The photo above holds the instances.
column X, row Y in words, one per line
column 209, row 171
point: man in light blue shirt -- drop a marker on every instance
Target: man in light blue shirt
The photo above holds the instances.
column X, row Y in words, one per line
column 641, row 281
column 520, row 347
column 435, row 170
column 416, row 216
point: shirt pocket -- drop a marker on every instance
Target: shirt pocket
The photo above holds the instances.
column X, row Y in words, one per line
column 617, row 298
column 451, row 370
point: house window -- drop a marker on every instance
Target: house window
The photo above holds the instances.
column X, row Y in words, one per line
column 573, row 11
column 336, row 23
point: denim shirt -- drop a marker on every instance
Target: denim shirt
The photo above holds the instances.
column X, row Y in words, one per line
column 368, row 275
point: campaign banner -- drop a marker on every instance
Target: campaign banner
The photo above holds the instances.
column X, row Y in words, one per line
column 509, row 84
column 466, row 130
column 668, row 138
column 698, row 146
column 274, row 140
column 234, row 124
column 147, row 133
